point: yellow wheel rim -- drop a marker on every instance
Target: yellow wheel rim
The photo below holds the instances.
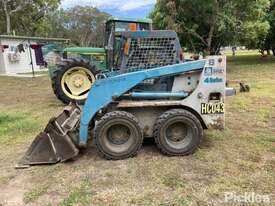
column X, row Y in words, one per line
column 76, row 82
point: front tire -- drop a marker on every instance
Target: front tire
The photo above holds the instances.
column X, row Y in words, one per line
column 118, row 135
column 177, row 132
column 72, row 80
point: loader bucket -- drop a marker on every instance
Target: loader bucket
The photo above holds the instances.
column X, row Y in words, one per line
column 53, row 145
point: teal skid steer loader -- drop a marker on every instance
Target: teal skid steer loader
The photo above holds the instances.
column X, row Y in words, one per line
column 149, row 91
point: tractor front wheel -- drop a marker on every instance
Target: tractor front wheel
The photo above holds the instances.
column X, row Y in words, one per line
column 72, row 80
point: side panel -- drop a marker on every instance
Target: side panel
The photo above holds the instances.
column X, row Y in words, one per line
column 186, row 82
column 209, row 96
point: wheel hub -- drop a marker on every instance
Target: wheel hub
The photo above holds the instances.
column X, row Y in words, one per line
column 118, row 134
column 176, row 132
column 78, row 82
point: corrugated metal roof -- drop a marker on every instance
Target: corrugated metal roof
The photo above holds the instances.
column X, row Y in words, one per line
column 85, row 50
column 130, row 19
column 34, row 38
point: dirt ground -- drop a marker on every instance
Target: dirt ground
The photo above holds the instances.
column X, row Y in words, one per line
column 240, row 159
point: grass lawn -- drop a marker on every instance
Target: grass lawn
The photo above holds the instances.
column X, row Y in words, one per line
column 239, row 159
column 242, row 52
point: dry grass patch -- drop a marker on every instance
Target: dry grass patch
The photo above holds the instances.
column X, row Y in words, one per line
column 241, row 158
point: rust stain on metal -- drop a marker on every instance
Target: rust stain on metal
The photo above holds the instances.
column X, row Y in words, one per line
column 217, row 124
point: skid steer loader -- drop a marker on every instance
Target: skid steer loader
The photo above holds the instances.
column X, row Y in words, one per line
column 149, row 91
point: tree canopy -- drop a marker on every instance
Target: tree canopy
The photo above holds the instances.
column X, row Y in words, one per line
column 206, row 25
column 202, row 25
column 83, row 25
column 25, row 16
column 267, row 43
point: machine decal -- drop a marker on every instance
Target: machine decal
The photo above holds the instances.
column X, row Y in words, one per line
column 212, row 80
column 207, row 108
column 209, row 71
column 211, row 62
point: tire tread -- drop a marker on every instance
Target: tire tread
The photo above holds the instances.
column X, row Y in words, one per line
column 113, row 115
column 172, row 113
column 62, row 67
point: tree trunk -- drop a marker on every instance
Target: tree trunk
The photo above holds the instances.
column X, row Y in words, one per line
column 8, row 12
column 268, row 52
column 212, row 27
column 8, row 20
column 192, row 45
column 273, row 51
column 261, row 51
column 8, row 17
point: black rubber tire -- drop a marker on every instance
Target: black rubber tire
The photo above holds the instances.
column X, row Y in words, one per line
column 64, row 66
column 193, row 126
column 106, row 148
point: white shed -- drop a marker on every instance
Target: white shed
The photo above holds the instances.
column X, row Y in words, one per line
column 19, row 54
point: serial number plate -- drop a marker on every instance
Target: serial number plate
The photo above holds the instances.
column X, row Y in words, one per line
column 207, row 108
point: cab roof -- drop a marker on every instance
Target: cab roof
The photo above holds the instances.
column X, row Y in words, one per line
column 129, row 19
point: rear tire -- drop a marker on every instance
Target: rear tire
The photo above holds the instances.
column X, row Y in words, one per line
column 68, row 73
column 177, row 132
column 118, row 135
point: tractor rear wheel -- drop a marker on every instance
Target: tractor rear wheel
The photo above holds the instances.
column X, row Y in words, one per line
column 72, row 80
column 177, row 132
column 118, row 135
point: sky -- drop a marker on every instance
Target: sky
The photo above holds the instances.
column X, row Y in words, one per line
column 121, row 8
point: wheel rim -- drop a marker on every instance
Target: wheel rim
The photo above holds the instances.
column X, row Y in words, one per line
column 178, row 134
column 76, row 82
column 118, row 134
column 119, row 137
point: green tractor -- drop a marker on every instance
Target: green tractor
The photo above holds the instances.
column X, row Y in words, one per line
column 73, row 77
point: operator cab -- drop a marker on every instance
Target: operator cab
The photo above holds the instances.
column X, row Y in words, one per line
column 114, row 25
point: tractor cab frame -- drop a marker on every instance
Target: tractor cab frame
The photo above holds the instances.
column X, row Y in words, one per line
column 113, row 28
